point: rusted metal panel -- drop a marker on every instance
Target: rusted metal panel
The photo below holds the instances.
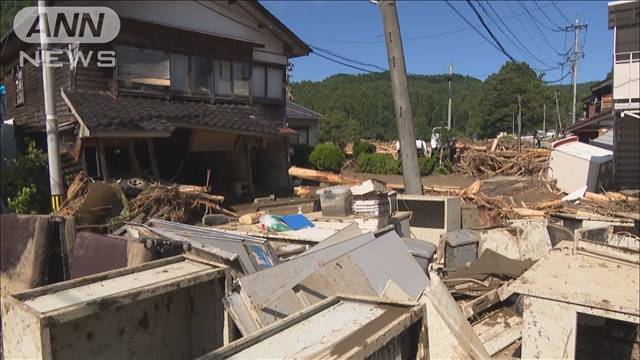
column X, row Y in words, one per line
column 24, row 251
column 95, row 253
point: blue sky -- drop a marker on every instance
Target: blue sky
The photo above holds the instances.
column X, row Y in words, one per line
column 434, row 36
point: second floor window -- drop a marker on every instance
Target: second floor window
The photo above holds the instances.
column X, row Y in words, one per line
column 18, row 82
column 143, row 70
column 267, row 82
column 174, row 74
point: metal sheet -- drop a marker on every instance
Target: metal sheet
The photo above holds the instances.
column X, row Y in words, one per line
column 94, row 253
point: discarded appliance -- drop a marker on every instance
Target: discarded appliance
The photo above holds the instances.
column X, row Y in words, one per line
column 422, row 251
column 243, row 253
column 361, row 266
column 581, row 300
column 526, row 239
column 431, row 215
column 336, row 328
column 459, row 247
column 335, row 200
column 575, row 164
column 170, row 308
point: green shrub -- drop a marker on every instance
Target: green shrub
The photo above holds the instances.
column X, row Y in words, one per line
column 327, row 157
column 25, row 183
column 301, row 154
column 380, row 164
column 363, row 147
column 426, row 165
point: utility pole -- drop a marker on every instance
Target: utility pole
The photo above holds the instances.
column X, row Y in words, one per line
column 513, row 122
column 449, row 122
column 48, row 87
column 574, row 67
column 544, row 118
column 404, row 121
column 558, row 123
column 519, row 122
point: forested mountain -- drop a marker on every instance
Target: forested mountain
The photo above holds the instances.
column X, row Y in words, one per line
column 362, row 105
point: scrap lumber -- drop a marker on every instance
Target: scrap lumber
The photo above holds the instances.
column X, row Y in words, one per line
column 528, row 212
column 331, row 178
column 250, row 219
column 529, row 162
column 321, row 176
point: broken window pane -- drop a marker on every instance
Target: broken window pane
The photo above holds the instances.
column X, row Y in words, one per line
column 180, row 73
column 241, row 77
column 222, row 77
column 200, row 80
column 258, row 81
column 142, row 69
column 275, row 80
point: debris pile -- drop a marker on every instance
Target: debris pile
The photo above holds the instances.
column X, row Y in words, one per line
column 175, row 202
column 529, row 162
column 353, row 278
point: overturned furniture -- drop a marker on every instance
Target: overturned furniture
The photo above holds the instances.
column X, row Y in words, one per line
column 336, row 328
column 581, row 299
column 169, row 308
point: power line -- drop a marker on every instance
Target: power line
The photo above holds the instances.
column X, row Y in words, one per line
column 413, row 38
column 473, row 27
column 527, row 31
column 544, row 13
column 559, row 80
column 331, row 53
column 560, row 12
column 343, row 63
column 489, row 30
column 532, row 55
column 535, row 24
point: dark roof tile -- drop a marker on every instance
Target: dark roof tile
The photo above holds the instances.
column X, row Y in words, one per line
column 103, row 111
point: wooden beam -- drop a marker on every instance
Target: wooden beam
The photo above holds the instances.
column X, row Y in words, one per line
column 153, row 159
column 103, row 161
column 135, row 166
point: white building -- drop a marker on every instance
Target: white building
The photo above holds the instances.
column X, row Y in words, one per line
column 624, row 20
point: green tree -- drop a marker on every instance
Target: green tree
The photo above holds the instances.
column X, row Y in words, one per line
column 24, row 182
column 338, row 128
column 499, row 99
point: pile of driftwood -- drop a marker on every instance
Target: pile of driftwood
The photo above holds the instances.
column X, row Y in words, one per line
column 175, row 202
column 528, row 162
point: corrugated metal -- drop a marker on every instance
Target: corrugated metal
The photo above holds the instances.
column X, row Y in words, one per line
column 628, row 153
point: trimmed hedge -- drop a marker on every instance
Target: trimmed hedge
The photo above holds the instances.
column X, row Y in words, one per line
column 363, row 147
column 327, row 157
column 301, row 154
column 379, row 164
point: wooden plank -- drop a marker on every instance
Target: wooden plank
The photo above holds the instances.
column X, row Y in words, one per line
column 133, row 160
column 103, row 161
column 154, row 160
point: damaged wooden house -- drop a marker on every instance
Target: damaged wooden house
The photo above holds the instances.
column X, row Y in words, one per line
column 197, row 95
